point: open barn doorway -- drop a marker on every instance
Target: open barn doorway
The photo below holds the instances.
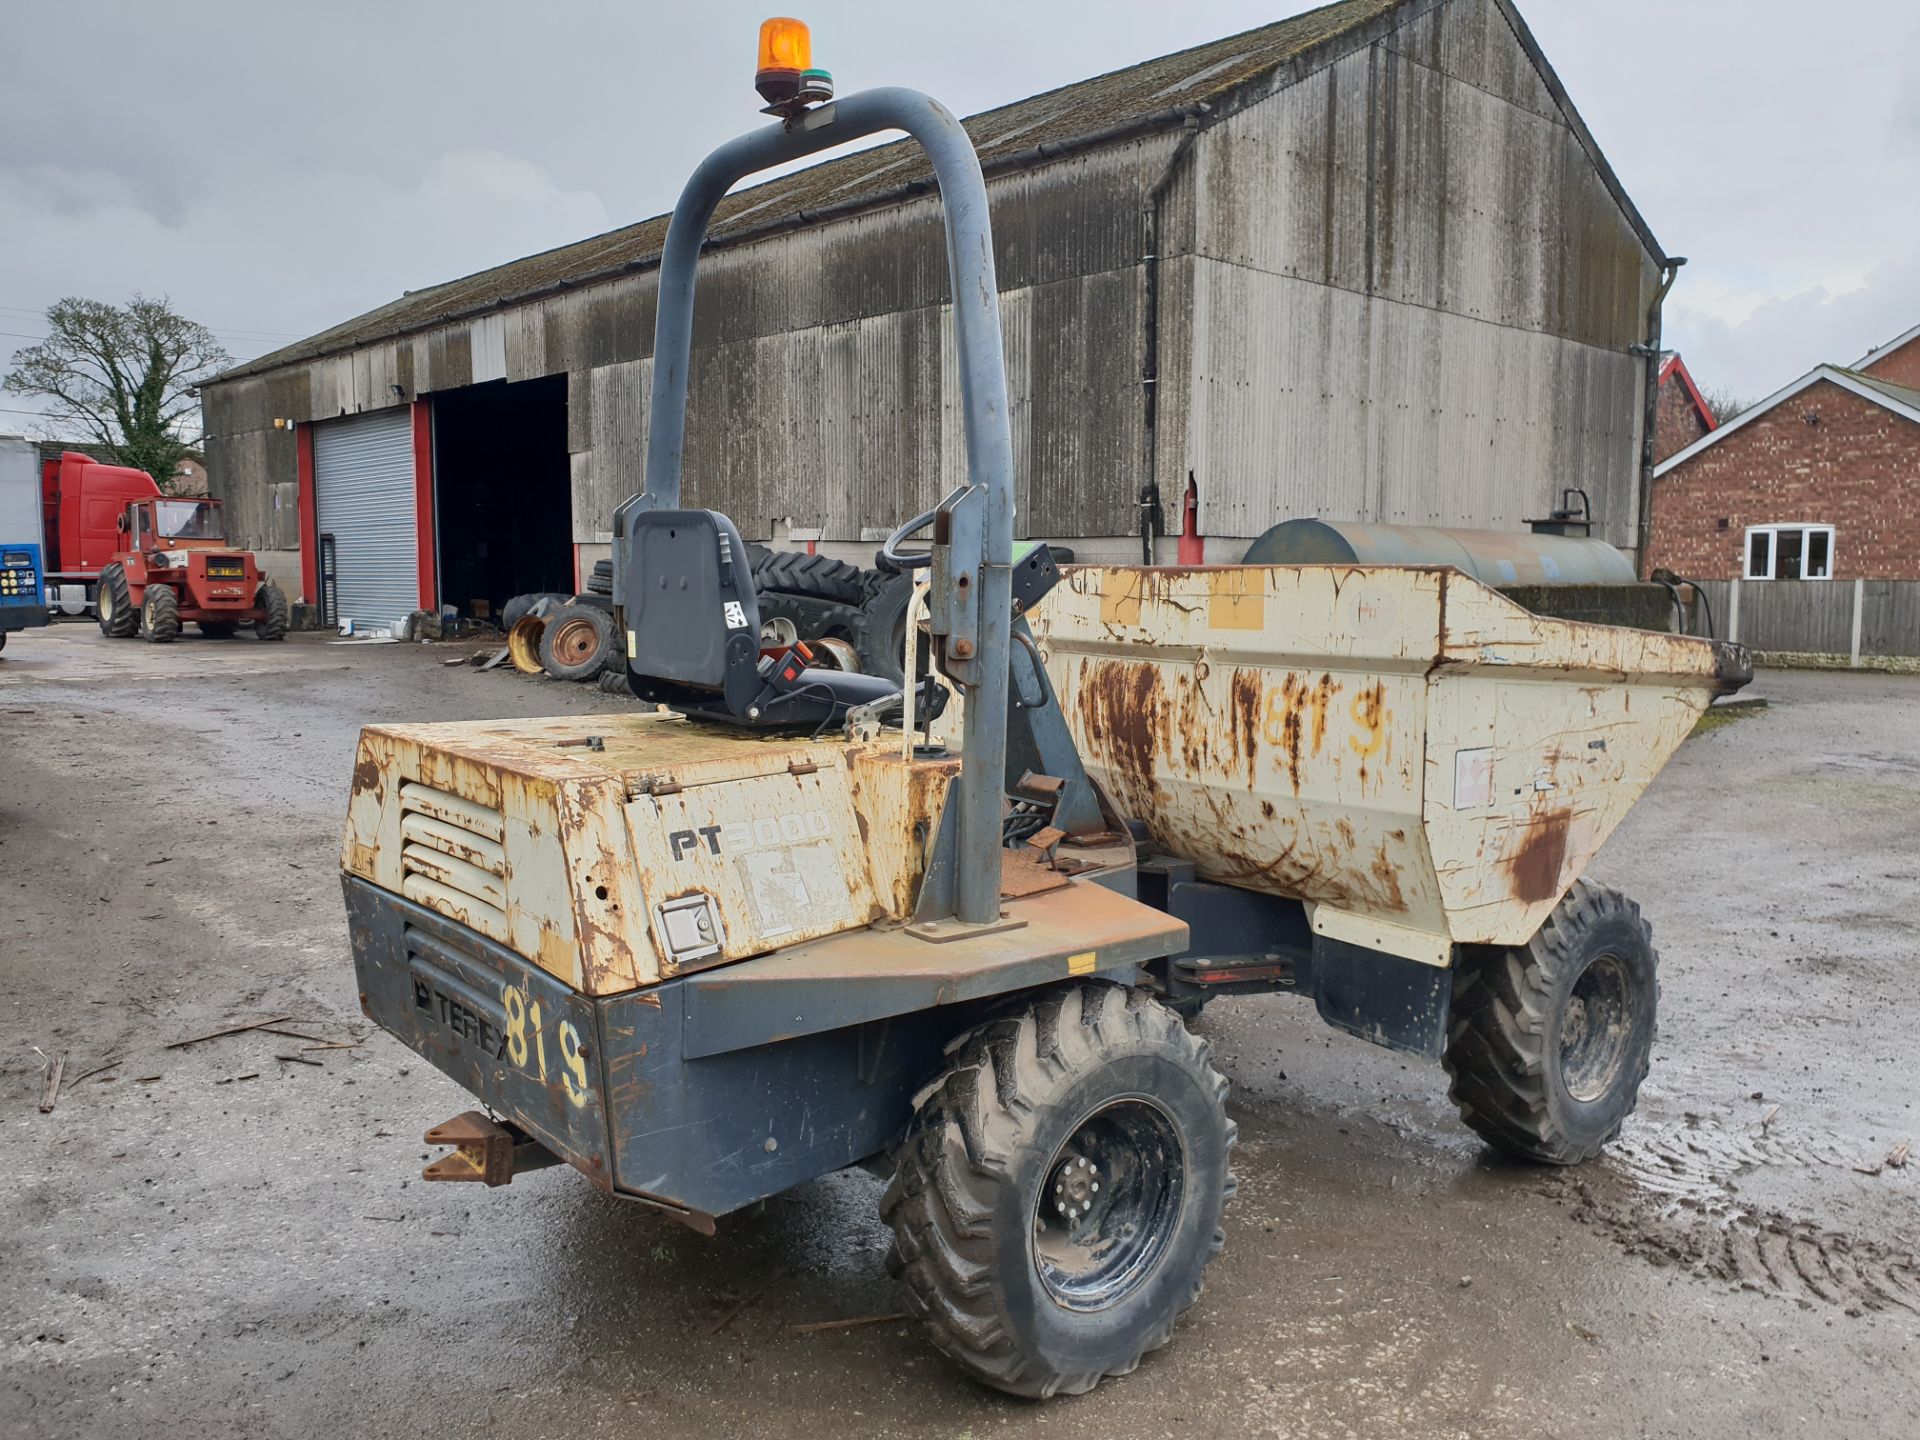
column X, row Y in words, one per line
column 502, row 494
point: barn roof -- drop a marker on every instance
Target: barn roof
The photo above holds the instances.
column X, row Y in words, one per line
column 1105, row 109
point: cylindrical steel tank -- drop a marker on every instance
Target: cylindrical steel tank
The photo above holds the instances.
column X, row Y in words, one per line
column 1493, row 557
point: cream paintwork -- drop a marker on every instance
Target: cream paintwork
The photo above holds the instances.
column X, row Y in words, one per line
column 1418, row 758
column 577, row 841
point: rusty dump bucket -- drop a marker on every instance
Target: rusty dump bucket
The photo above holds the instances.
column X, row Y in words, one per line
column 1419, row 759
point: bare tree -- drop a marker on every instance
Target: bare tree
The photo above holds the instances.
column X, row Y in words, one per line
column 1724, row 404
column 123, row 374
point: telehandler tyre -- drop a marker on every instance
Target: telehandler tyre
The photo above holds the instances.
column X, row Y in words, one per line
column 1549, row 1041
column 160, row 615
column 1058, row 1196
column 277, row 617
column 113, row 604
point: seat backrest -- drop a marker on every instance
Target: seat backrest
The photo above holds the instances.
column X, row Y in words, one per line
column 686, row 589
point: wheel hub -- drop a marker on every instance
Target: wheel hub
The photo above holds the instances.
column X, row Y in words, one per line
column 1111, row 1202
column 574, row 642
column 1075, row 1183
column 1594, row 1028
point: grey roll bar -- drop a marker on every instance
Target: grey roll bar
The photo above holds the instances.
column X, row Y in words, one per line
column 980, row 554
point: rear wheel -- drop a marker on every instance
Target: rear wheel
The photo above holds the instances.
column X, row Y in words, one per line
column 160, row 614
column 1059, row 1195
column 218, row 629
column 1549, row 1041
column 577, row 643
column 113, row 604
column 275, row 616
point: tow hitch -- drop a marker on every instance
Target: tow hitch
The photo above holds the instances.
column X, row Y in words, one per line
column 485, row 1149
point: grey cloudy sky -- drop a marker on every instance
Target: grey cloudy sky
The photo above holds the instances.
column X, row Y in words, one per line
column 278, row 168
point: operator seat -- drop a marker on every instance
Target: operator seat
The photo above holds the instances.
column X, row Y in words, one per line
column 693, row 631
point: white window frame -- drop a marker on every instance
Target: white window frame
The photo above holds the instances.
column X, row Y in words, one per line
column 1772, row 532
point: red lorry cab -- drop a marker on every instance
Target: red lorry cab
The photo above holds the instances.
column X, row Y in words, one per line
column 84, row 501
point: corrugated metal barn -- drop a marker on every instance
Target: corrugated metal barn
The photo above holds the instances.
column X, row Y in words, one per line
column 1364, row 263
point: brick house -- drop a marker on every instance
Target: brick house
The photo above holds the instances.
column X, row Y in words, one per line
column 1897, row 362
column 1820, row 481
column 1681, row 414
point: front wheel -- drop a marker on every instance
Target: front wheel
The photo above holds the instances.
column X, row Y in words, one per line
column 1549, row 1041
column 160, row 614
column 1058, row 1197
column 113, row 604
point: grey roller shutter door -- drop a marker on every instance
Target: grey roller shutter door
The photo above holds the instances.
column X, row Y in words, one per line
column 363, row 497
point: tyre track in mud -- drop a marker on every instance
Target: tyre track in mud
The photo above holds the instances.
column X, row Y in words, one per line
column 1671, row 1195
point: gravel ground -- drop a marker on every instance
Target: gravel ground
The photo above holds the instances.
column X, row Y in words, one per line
column 214, row 1241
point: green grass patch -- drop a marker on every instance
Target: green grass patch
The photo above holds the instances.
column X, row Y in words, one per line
column 1718, row 717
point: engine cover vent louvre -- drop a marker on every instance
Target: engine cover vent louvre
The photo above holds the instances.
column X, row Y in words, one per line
column 452, row 858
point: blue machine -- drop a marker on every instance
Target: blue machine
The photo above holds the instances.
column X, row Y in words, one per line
column 23, row 597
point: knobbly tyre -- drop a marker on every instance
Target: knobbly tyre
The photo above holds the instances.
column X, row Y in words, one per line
column 772, row 927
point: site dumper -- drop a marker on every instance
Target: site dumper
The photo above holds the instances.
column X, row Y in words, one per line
column 770, row 927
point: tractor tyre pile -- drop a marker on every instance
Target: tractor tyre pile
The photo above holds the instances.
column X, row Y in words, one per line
column 853, row 618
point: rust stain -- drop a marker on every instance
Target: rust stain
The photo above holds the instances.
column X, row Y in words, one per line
column 1388, row 874
column 1323, row 694
column 1123, row 716
column 366, row 774
column 1243, row 714
column 1535, row 868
